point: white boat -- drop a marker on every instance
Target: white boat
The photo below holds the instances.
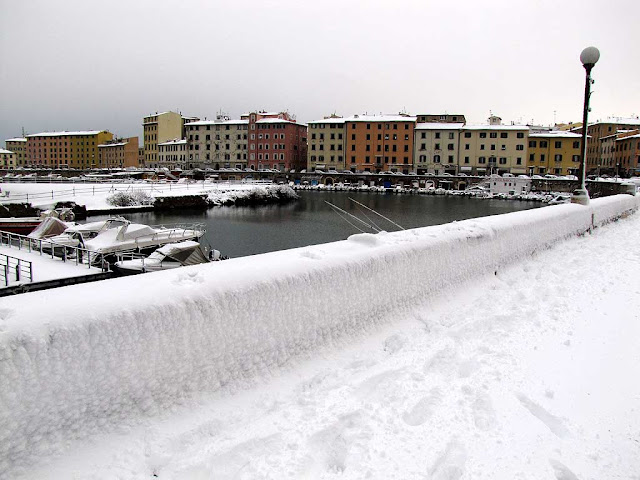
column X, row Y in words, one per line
column 171, row 255
column 116, row 235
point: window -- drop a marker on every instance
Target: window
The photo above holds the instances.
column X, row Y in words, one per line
column 504, row 135
column 483, row 134
column 466, row 159
column 466, row 146
column 557, row 157
column 450, row 158
column 451, row 136
column 423, row 135
column 437, row 134
column 467, row 134
column 558, row 144
column 450, row 146
column 532, row 144
column 518, row 147
column 519, row 161
column 503, row 161
column 436, row 159
column 493, row 135
column 575, row 158
column 482, row 146
column 353, row 136
column 482, row 160
column 520, row 135
column 543, row 144
column 437, row 146
column 532, row 157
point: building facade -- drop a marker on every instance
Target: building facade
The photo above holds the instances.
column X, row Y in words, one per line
column 627, row 153
column 436, row 148
column 276, row 141
column 173, row 155
column 326, row 140
column 7, row 159
column 118, row 153
column 379, row 143
column 160, row 128
column 597, row 131
column 554, row 152
column 66, row 149
column 493, row 148
column 220, row 143
column 19, row 147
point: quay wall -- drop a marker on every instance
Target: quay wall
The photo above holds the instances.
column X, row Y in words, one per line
column 83, row 359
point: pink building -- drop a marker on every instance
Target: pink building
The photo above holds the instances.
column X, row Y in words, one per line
column 276, row 141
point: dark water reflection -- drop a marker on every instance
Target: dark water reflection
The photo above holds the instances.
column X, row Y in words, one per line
column 240, row 231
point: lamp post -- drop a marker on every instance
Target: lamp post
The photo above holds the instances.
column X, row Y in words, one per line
column 589, row 57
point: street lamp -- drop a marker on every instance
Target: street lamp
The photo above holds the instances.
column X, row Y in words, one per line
column 589, row 57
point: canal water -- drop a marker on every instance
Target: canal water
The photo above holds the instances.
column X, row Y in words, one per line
column 240, row 231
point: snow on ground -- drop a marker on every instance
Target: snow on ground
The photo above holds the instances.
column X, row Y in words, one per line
column 524, row 372
column 44, row 267
column 94, row 196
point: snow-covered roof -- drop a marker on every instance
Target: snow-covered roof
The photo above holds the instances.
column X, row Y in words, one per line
column 555, row 134
column 17, row 139
column 2, row 150
column 618, row 121
column 60, row 134
column 495, row 127
column 628, row 137
column 380, row 118
column 217, row 122
column 439, row 126
column 173, row 142
column 328, row 120
column 112, row 144
column 279, row 120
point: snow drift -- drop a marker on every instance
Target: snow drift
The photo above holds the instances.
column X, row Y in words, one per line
column 77, row 359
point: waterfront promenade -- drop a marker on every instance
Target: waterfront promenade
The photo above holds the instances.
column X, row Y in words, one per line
column 519, row 365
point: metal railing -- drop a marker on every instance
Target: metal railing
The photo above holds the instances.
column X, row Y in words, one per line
column 65, row 253
column 15, row 269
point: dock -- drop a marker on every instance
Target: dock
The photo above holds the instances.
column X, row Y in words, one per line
column 25, row 268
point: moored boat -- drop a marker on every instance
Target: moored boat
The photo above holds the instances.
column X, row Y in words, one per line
column 169, row 256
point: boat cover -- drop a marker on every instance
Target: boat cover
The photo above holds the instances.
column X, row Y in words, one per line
column 187, row 253
column 49, row 227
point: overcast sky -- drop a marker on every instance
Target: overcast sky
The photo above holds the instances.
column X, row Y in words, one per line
column 79, row 64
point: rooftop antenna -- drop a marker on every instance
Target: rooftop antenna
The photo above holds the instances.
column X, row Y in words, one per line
column 554, row 117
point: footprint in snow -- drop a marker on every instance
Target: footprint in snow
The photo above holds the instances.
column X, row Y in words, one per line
column 423, row 410
column 553, row 423
column 449, row 465
column 561, row 471
column 484, row 416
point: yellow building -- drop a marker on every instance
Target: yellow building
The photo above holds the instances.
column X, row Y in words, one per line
column 493, row 148
column 7, row 159
column 326, row 144
column 160, row 128
column 66, row 149
column 19, row 147
column 554, row 152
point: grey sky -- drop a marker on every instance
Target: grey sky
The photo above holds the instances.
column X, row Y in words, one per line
column 79, row 64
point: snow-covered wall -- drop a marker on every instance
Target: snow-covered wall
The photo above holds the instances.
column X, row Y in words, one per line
column 77, row 359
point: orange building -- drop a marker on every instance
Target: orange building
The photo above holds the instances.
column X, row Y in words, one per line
column 66, row 149
column 118, row 153
column 379, row 143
